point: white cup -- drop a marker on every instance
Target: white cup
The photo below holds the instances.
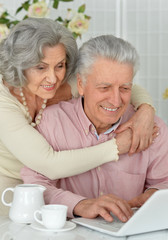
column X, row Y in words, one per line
column 53, row 216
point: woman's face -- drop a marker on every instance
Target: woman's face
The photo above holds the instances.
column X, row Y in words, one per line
column 45, row 78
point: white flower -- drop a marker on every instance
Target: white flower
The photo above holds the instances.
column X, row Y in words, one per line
column 79, row 24
column 4, row 30
column 38, row 9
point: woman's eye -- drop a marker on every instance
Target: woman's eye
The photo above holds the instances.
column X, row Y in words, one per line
column 60, row 66
column 40, row 67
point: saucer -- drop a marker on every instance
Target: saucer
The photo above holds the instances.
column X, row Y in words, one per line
column 67, row 227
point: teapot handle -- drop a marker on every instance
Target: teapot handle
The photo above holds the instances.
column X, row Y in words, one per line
column 3, row 196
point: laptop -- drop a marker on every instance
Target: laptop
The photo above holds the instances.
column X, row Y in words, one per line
column 151, row 216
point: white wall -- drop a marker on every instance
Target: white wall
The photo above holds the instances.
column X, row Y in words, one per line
column 144, row 23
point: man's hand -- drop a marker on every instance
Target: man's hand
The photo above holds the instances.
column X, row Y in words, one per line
column 141, row 199
column 91, row 208
column 143, row 128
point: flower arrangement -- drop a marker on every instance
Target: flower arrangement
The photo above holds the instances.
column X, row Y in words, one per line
column 165, row 94
column 76, row 21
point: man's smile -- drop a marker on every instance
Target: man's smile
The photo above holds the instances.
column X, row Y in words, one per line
column 110, row 109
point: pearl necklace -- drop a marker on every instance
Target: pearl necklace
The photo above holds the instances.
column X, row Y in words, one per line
column 39, row 115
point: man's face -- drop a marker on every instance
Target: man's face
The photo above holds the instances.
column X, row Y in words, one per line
column 107, row 92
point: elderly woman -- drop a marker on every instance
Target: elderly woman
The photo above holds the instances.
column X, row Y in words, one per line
column 37, row 59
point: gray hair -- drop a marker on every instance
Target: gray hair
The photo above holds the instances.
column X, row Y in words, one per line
column 105, row 46
column 23, row 48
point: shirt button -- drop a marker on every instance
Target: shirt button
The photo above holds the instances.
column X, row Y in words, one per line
column 86, row 131
column 99, row 168
column 101, row 193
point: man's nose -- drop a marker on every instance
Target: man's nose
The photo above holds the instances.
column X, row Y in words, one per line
column 115, row 98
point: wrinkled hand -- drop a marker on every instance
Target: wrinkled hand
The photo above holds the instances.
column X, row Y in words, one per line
column 141, row 199
column 144, row 131
column 124, row 140
column 91, row 208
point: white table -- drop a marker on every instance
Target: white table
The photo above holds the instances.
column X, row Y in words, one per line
column 13, row 231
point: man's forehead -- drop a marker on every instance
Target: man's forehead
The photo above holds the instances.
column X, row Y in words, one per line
column 108, row 72
column 110, row 84
column 109, row 64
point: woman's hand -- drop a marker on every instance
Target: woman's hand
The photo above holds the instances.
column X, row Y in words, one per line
column 123, row 141
column 144, row 131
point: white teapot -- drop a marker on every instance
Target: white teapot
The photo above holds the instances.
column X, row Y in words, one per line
column 27, row 198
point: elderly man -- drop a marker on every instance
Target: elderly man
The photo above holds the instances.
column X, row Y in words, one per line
column 105, row 71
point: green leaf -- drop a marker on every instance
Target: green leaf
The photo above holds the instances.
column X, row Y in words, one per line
column 35, row 1
column 25, row 17
column 75, row 35
column 55, row 4
column 66, row 0
column 4, row 21
column 14, row 22
column 4, row 14
column 66, row 24
column 59, row 19
column 81, row 9
column 18, row 10
column 87, row 17
column 8, row 24
column 26, row 5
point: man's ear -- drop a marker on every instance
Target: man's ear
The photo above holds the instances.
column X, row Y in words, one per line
column 80, row 85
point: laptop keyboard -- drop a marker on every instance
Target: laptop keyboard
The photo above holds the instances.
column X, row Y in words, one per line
column 100, row 224
column 113, row 226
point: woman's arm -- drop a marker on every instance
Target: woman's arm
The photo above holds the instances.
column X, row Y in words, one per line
column 30, row 148
column 140, row 96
